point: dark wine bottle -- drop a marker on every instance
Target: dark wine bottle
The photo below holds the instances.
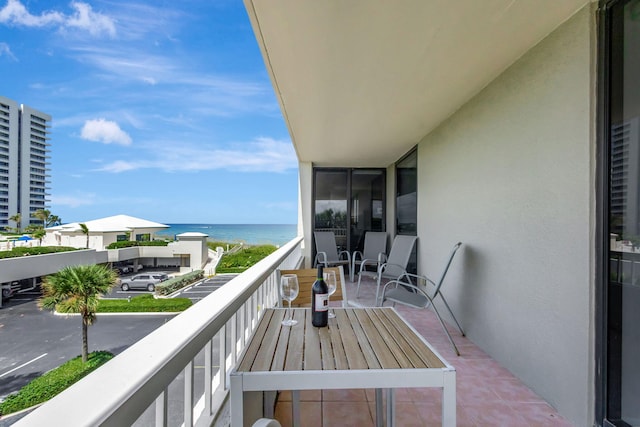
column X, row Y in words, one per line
column 319, row 301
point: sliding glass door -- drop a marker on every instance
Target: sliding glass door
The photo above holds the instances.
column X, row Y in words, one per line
column 620, row 297
column 349, row 202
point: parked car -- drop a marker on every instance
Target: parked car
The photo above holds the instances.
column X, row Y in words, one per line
column 146, row 281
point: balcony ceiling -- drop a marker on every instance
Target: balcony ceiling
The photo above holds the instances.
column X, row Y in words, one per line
column 360, row 82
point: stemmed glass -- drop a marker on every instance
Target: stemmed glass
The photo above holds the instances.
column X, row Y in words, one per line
column 289, row 290
column 330, row 280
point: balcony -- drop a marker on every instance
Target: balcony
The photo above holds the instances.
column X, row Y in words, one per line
column 178, row 374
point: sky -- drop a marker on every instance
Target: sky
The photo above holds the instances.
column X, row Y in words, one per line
column 161, row 110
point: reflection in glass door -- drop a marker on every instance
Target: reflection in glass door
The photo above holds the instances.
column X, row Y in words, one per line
column 349, row 202
column 622, row 293
column 330, row 204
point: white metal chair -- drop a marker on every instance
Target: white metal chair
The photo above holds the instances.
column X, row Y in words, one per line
column 402, row 291
column 374, row 252
column 394, row 268
column 327, row 250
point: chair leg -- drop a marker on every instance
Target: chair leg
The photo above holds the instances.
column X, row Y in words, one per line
column 358, row 287
column 352, row 268
column 444, row 327
column 451, row 313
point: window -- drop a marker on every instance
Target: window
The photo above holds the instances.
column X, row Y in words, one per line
column 407, row 202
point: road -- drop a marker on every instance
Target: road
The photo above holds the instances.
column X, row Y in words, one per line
column 33, row 341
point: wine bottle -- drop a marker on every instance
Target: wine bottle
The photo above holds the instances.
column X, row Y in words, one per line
column 319, row 301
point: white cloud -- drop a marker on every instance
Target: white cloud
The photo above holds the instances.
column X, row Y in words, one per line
column 83, row 17
column 261, row 155
column 105, row 131
column 6, row 51
column 15, row 13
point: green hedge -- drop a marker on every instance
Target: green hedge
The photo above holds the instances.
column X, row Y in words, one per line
column 130, row 244
column 175, row 283
column 37, row 250
column 53, row 382
column 243, row 259
column 143, row 304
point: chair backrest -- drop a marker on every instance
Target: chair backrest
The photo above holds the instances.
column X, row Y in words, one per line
column 326, row 242
column 306, row 277
column 446, row 268
column 399, row 256
column 375, row 242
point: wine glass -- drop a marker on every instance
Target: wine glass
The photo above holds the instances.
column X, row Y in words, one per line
column 289, row 290
column 330, row 280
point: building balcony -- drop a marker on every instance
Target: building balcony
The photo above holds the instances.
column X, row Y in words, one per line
column 178, row 374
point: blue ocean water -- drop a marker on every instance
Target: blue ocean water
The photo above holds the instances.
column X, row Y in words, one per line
column 251, row 234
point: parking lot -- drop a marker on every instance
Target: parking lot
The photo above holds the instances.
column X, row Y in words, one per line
column 35, row 341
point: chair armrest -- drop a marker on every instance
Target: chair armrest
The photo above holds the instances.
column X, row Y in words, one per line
column 321, row 258
column 409, row 288
column 348, row 255
column 407, row 283
column 366, row 262
column 354, row 255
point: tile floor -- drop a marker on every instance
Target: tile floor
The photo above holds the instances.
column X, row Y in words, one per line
column 487, row 394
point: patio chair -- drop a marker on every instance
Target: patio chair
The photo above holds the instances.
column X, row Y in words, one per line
column 402, row 291
column 374, row 252
column 394, row 268
column 306, row 277
column 327, row 250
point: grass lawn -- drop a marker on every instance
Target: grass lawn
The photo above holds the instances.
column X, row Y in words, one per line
column 53, row 382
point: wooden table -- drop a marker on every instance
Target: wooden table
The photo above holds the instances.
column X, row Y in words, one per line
column 361, row 348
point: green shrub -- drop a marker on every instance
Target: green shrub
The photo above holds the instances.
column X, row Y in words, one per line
column 243, row 259
column 179, row 282
column 144, row 304
column 53, row 382
column 130, row 244
column 37, row 250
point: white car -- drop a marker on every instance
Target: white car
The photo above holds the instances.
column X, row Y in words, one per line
column 146, row 281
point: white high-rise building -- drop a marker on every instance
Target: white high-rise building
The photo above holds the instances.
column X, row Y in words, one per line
column 24, row 165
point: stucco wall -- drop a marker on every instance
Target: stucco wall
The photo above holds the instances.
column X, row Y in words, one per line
column 41, row 265
column 510, row 175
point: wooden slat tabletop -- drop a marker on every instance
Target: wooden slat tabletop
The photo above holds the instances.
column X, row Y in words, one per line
column 371, row 338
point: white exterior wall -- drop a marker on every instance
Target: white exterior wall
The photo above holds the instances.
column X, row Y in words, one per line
column 9, row 180
column 511, row 176
column 41, row 265
column 33, row 190
column 305, row 210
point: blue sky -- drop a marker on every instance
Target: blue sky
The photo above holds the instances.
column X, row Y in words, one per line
column 161, row 109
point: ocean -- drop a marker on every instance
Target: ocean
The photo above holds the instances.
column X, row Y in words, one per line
column 250, row 234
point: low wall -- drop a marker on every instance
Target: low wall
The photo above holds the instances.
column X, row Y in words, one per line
column 41, row 265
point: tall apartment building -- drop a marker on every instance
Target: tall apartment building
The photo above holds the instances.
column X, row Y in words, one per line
column 24, row 166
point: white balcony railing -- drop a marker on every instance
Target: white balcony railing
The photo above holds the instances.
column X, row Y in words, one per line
column 177, row 374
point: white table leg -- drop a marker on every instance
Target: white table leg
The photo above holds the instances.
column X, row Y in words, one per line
column 449, row 399
column 295, row 407
column 391, row 407
column 379, row 418
column 237, row 404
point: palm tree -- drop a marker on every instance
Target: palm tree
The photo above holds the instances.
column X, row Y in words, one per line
column 39, row 234
column 85, row 231
column 16, row 218
column 54, row 220
column 43, row 215
column 75, row 289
